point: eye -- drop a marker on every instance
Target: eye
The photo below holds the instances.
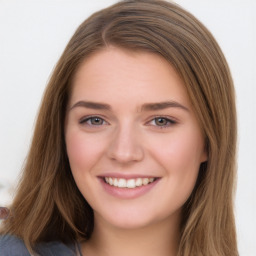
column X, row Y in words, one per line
column 162, row 122
column 93, row 121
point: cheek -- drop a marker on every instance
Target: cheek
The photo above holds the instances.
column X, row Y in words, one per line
column 188, row 147
column 183, row 150
column 82, row 152
column 180, row 155
column 186, row 152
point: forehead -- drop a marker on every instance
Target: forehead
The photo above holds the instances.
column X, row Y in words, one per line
column 114, row 72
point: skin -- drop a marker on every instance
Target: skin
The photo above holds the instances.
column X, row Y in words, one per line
column 128, row 139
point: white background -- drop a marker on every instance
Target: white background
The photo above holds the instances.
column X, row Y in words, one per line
column 33, row 35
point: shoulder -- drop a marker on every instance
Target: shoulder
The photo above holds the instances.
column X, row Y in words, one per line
column 13, row 246
column 55, row 249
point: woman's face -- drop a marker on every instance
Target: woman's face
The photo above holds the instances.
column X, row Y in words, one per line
column 133, row 142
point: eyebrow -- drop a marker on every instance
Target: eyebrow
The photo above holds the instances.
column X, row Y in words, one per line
column 91, row 105
column 145, row 107
column 162, row 105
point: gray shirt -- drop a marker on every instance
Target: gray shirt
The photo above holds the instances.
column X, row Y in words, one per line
column 13, row 246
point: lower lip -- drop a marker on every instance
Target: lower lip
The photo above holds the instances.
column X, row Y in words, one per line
column 128, row 193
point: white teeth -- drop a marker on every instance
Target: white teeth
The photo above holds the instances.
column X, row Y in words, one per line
column 115, row 183
column 138, row 182
column 122, row 183
column 131, row 183
column 145, row 181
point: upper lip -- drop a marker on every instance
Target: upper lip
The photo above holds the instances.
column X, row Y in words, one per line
column 126, row 176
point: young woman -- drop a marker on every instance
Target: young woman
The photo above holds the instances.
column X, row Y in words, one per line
column 134, row 147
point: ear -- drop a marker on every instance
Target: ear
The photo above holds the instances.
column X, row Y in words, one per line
column 204, row 156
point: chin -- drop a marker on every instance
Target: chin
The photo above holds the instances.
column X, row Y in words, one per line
column 130, row 224
column 131, row 219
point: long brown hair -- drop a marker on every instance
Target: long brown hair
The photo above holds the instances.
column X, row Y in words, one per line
column 48, row 205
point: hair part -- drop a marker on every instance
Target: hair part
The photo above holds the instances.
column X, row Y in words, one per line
column 48, row 204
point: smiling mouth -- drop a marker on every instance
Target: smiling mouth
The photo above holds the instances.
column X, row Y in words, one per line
column 128, row 183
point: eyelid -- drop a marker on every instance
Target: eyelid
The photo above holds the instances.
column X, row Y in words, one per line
column 84, row 119
column 171, row 121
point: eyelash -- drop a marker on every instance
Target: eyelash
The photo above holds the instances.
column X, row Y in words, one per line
column 90, row 118
column 168, row 122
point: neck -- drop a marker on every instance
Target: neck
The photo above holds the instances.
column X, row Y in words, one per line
column 160, row 239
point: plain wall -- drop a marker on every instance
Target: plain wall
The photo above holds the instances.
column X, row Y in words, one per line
column 33, row 35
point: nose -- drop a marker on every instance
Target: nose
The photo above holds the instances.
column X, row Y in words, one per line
column 125, row 145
